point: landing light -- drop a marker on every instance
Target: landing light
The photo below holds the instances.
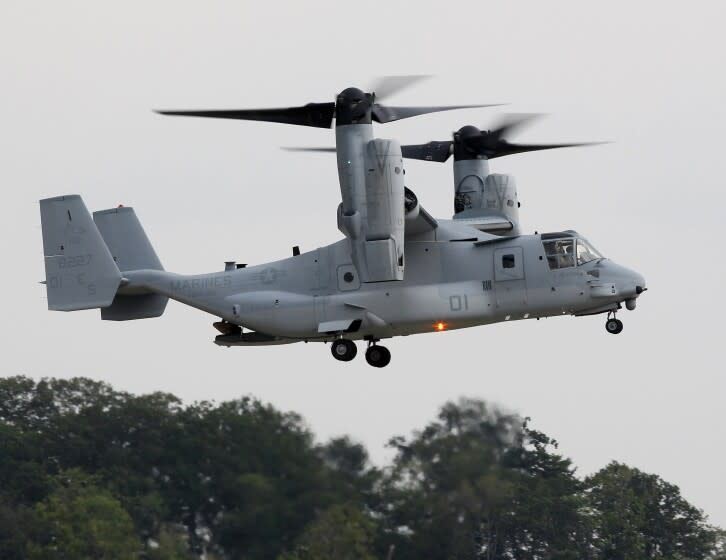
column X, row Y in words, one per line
column 440, row 326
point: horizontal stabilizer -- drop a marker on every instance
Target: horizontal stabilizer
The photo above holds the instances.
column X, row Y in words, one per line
column 139, row 306
column 80, row 271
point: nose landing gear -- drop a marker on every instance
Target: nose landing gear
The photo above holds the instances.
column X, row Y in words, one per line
column 613, row 325
column 343, row 349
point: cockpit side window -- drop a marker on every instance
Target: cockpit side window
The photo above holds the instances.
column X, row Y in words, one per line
column 560, row 253
column 586, row 252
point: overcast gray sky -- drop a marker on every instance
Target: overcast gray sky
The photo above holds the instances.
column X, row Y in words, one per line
column 78, row 81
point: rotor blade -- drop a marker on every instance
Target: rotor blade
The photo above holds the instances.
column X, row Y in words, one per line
column 386, row 114
column 313, row 149
column 319, row 115
column 386, row 86
column 433, row 151
column 506, row 149
column 512, row 122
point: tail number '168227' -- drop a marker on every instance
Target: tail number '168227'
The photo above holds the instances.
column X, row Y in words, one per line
column 74, row 261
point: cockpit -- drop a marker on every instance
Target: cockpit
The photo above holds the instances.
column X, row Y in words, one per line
column 567, row 249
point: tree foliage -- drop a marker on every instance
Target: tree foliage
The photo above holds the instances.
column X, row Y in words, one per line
column 639, row 515
column 79, row 520
column 478, row 483
column 87, row 471
column 342, row 532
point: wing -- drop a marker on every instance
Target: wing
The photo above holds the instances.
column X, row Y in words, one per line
column 423, row 223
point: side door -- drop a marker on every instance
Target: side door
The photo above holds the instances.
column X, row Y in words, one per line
column 509, row 281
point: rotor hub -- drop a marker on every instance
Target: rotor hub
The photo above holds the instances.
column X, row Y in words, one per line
column 467, row 133
column 353, row 106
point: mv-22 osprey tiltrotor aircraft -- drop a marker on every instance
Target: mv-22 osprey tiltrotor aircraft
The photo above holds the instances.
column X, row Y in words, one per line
column 398, row 271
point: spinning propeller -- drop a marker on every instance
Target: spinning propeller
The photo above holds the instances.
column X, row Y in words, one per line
column 352, row 106
column 471, row 143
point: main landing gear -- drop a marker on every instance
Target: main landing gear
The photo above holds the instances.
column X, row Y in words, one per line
column 345, row 350
column 613, row 325
column 377, row 356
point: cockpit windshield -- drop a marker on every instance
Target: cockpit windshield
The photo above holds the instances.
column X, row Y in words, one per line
column 566, row 253
column 586, row 252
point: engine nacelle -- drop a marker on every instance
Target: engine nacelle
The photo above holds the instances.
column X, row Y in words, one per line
column 486, row 201
column 500, row 195
column 372, row 213
column 384, row 229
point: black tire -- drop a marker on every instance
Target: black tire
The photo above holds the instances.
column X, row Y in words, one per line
column 614, row 326
column 378, row 356
column 343, row 349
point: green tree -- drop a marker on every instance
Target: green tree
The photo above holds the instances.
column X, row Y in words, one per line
column 354, row 480
column 81, row 521
column 478, row 483
column 341, row 532
column 640, row 516
column 241, row 476
column 171, row 543
column 719, row 548
column 245, row 477
column 241, row 479
column 16, row 526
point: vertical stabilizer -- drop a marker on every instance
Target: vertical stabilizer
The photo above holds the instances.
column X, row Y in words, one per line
column 126, row 239
column 131, row 250
column 79, row 269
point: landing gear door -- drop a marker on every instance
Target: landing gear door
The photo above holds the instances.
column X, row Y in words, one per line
column 508, row 264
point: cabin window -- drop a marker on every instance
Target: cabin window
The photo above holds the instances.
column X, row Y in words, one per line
column 560, row 253
column 507, row 261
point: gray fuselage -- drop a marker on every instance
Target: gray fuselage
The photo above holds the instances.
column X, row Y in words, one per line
column 456, row 277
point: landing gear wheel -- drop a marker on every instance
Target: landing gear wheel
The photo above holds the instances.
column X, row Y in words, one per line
column 614, row 326
column 344, row 349
column 378, row 356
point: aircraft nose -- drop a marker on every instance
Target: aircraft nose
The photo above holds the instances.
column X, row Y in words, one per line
column 631, row 283
column 638, row 281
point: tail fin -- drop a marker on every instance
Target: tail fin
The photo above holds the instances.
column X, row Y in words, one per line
column 79, row 269
column 132, row 250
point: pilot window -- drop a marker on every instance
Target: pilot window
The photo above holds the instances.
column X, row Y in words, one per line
column 586, row 252
column 507, row 261
column 560, row 253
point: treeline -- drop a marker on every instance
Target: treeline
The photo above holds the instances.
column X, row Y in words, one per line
column 90, row 472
